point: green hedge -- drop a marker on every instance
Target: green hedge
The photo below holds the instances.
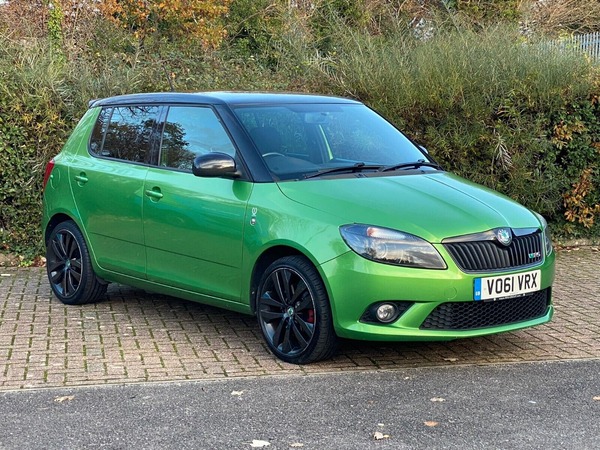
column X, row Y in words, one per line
column 488, row 105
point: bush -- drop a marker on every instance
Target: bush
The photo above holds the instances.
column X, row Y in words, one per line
column 513, row 115
column 33, row 115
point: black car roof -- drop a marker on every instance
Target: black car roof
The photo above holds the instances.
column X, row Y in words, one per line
column 217, row 98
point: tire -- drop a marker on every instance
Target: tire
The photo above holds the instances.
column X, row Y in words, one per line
column 293, row 312
column 69, row 267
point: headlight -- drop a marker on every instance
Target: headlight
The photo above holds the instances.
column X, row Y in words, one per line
column 547, row 237
column 391, row 247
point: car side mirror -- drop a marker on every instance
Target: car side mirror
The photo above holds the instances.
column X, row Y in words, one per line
column 215, row 165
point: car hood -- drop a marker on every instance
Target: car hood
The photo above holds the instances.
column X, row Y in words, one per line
column 432, row 206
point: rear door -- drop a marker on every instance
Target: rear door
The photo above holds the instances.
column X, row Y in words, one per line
column 193, row 226
column 107, row 181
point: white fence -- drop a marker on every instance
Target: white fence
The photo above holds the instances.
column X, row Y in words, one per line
column 588, row 43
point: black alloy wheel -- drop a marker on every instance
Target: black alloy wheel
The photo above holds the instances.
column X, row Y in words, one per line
column 69, row 268
column 294, row 313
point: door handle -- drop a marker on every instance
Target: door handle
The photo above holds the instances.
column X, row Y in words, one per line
column 154, row 194
column 81, row 179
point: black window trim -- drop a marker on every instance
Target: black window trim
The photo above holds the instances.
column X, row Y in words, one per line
column 156, row 135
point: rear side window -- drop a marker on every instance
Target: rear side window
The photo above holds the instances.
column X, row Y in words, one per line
column 125, row 133
column 189, row 132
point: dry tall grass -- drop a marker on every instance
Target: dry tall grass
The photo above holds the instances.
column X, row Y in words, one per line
column 558, row 16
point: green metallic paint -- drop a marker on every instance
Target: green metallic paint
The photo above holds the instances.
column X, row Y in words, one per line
column 194, row 233
column 110, row 205
column 431, row 206
column 357, row 283
column 282, row 221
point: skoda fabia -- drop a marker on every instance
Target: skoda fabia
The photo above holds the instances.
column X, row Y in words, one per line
column 313, row 213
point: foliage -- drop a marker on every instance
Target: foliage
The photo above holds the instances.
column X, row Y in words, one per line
column 33, row 116
column 486, row 11
column 576, row 203
column 556, row 17
column 496, row 108
column 253, row 24
column 194, row 19
column 576, row 140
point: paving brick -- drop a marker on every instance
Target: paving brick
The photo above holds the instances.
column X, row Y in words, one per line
column 134, row 336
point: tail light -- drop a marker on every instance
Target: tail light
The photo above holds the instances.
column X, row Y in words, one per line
column 47, row 173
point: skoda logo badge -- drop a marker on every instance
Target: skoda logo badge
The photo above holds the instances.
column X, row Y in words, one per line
column 504, row 236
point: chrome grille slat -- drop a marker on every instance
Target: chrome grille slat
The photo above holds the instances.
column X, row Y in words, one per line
column 480, row 256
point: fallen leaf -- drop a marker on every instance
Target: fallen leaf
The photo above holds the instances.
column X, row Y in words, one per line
column 257, row 443
column 237, row 392
column 597, row 398
column 296, row 445
column 66, row 398
column 431, row 423
column 378, row 435
column 438, row 399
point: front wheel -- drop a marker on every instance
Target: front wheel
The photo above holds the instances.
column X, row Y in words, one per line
column 69, row 267
column 294, row 312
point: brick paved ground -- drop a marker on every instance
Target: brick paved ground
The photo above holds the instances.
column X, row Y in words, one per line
column 134, row 336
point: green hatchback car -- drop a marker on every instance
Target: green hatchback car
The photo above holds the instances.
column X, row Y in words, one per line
column 313, row 213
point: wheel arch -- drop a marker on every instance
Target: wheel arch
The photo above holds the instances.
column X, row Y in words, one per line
column 60, row 217
column 55, row 220
column 266, row 259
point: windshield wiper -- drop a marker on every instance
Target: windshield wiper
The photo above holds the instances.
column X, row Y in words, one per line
column 358, row 167
column 414, row 164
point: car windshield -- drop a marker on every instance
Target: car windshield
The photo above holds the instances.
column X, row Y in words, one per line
column 302, row 141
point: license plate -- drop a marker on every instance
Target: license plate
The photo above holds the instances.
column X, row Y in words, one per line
column 492, row 288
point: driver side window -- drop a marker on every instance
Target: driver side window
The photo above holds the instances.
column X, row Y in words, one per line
column 189, row 132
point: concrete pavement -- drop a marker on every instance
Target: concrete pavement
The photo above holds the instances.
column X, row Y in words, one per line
column 135, row 336
column 548, row 405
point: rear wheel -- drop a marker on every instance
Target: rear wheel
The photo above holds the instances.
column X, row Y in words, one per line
column 69, row 267
column 294, row 312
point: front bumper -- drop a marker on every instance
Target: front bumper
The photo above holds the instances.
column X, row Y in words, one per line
column 354, row 284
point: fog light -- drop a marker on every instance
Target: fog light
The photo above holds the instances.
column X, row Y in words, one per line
column 386, row 312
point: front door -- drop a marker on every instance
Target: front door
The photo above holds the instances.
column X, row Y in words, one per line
column 193, row 226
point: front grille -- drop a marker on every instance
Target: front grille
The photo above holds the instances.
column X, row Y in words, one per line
column 481, row 256
column 479, row 314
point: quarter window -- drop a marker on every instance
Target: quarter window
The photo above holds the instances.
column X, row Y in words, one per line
column 99, row 130
column 189, row 132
